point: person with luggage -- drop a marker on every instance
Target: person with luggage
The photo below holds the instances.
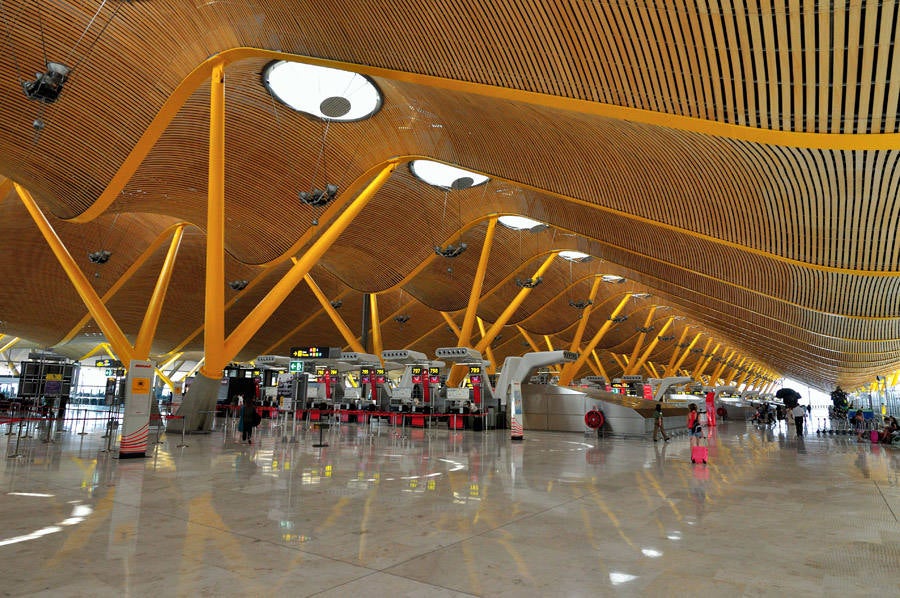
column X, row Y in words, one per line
column 693, row 425
column 658, row 424
column 249, row 419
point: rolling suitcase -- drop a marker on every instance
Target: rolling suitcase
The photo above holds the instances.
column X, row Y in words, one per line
column 700, row 453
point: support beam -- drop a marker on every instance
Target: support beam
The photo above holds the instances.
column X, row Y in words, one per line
column 528, row 339
column 336, row 318
column 635, row 367
column 214, row 300
column 634, row 364
column 87, row 293
column 585, row 315
column 674, row 365
column 548, row 342
column 600, row 365
column 242, row 334
column 488, row 352
column 497, row 326
column 376, row 325
column 670, row 367
column 154, row 309
column 10, row 344
column 465, row 334
column 703, row 359
column 452, row 325
column 718, row 371
column 571, row 369
column 621, row 361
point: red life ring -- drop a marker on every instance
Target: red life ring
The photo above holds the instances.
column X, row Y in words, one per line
column 721, row 412
column 594, row 419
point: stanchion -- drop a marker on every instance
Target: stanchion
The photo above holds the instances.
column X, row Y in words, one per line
column 321, row 443
column 83, row 423
column 18, row 438
column 183, row 443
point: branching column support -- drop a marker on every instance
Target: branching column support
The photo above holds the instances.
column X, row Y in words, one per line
column 87, row 293
column 154, row 309
column 528, row 339
column 336, row 318
column 376, row 325
column 714, row 379
column 497, row 326
column 678, row 360
column 570, row 369
column 703, row 361
column 634, row 364
column 465, row 333
column 585, row 315
column 646, row 354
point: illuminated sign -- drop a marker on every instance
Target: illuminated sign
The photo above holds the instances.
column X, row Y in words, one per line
column 379, row 371
column 314, row 353
column 108, row 363
column 333, row 371
column 417, row 370
column 474, row 369
column 434, row 371
column 365, row 371
column 296, row 366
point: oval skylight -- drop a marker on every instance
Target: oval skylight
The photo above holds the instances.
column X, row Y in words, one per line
column 445, row 176
column 519, row 222
column 326, row 93
column 574, row 256
column 612, row 278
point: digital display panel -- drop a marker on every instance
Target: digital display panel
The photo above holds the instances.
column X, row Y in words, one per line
column 474, row 369
column 309, row 352
column 108, row 363
column 417, row 370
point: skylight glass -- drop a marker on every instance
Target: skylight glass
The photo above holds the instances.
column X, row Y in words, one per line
column 326, row 93
column 445, row 176
column 574, row 256
column 612, row 278
column 519, row 222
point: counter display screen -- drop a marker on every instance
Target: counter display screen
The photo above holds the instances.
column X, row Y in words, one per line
column 108, row 363
column 309, row 352
column 380, row 376
column 434, row 375
column 474, row 369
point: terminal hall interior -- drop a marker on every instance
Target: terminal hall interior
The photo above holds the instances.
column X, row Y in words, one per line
column 454, row 255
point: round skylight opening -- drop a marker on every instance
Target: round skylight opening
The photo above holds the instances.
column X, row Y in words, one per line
column 612, row 278
column 520, row 223
column 445, row 176
column 574, row 256
column 323, row 92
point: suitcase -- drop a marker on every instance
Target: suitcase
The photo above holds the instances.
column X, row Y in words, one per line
column 699, row 454
column 873, row 436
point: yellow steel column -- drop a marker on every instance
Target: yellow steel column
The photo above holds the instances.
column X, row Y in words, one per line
column 599, row 365
column 646, row 354
column 376, row 325
column 495, row 328
column 651, row 369
column 168, row 382
column 336, row 318
column 585, row 315
column 10, row 344
column 703, row 360
column 87, row 293
column 718, row 371
column 633, row 362
column 570, row 369
column 214, row 305
column 465, row 334
column 488, row 352
column 151, row 317
column 549, row 343
column 91, row 353
column 621, row 361
column 734, row 372
column 528, row 339
column 242, row 334
column 451, row 324
column 670, row 367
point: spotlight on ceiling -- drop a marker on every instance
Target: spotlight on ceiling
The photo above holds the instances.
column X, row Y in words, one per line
column 580, row 304
column 666, row 339
column 640, row 295
column 529, row 283
column 99, row 257
column 318, row 197
column 47, row 86
column 646, row 329
column 238, row 285
column 401, row 319
column 337, row 303
column 619, row 319
column 450, row 250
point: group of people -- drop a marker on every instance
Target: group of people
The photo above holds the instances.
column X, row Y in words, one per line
column 249, row 417
column 887, row 434
column 695, row 429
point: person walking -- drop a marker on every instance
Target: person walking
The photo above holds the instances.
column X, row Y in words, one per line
column 249, row 420
column 799, row 412
column 693, row 425
column 658, row 424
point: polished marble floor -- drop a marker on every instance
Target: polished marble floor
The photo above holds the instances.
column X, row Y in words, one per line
column 384, row 512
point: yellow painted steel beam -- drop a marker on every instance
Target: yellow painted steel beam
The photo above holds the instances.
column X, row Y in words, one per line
column 129, row 273
column 92, row 352
column 336, row 318
column 735, row 371
column 646, row 354
column 214, row 300
column 680, row 353
column 571, row 369
column 585, row 314
column 242, row 334
column 171, row 359
column 168, row 382
column 703, row 359
column 599, row 364
column 651, row 369
column 721, row 367
column 528, row 339
column 465, row 334
column 376, row 326
column 488, row 352
column 9, row 344
column 154, row 309
column 548, row 342
column 452, row 324
column 621, row 361
column 7, row 357
column 634, row 363
column 6, row 185
column 185, row 89
column 194, row 369
column 87, row 293
column 517, row 301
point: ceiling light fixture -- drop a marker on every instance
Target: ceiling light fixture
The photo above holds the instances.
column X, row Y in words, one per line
column 575, row 256
column 451, row 250
column 580, row 304
column 99, row 257
column 322, row 92
column 612, row 278
column 337, row 303
column 47, row 86
column 529, row 283
column 438, row 174
column 401, row 319
column 238, row 285
column 318, row 197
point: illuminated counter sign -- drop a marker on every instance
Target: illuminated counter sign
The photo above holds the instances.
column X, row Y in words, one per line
column 296, row 366
column 108, row 363
column 315, row 352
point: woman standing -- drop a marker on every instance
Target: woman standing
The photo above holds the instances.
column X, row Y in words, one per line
column 249, row 420
column 693, row 425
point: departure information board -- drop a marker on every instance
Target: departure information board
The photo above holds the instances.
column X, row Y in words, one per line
column 310, row 352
